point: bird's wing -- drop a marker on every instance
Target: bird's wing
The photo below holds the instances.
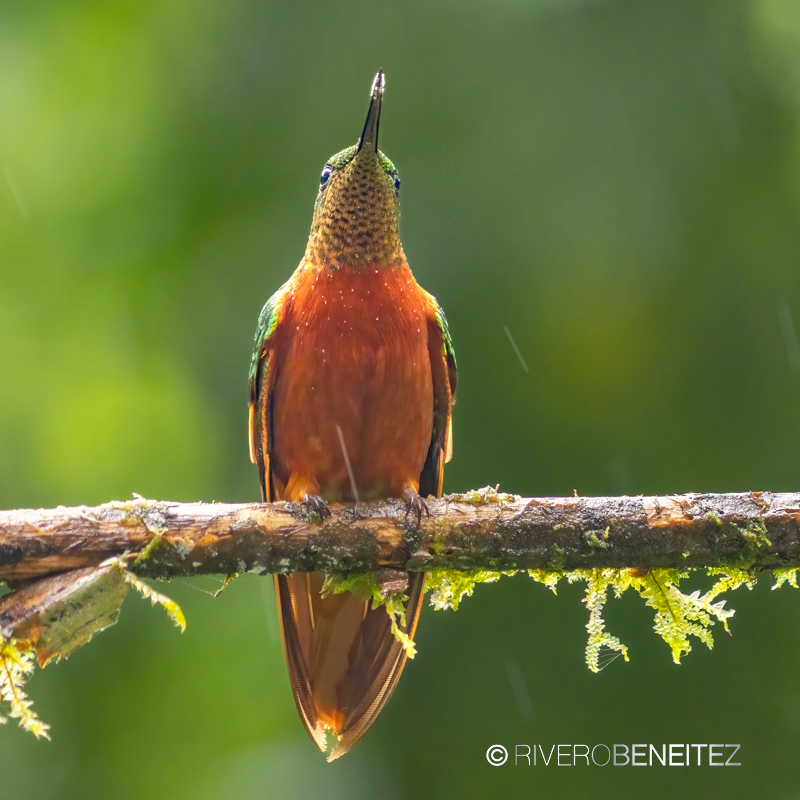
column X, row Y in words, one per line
column 261, row 386
column 293, row 593
column 443, row 372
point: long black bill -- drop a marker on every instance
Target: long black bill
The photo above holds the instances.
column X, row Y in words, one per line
column 370, row 134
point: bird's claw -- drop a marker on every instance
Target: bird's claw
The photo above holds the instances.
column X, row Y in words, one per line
column 313, row 502
column 415, row 504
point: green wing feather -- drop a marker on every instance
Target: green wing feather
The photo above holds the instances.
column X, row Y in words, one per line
column 450, row 353
column 444, row 374
column 260, row 390
column 267, row 322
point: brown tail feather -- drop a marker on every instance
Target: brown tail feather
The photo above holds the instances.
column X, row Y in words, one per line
column 343, row 659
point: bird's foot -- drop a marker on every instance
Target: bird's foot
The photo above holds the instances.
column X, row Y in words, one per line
column 415, row 504
column 314, row 503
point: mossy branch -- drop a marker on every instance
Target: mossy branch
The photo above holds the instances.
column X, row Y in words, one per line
column 478, row 530
column 71, row 567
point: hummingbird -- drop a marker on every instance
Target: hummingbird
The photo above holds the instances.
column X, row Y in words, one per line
column 352, row 384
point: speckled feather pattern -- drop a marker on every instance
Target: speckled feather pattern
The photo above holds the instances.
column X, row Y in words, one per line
column 357, row 343
column 356, row 217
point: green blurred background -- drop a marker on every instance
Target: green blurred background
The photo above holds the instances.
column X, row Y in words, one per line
column 618, row 183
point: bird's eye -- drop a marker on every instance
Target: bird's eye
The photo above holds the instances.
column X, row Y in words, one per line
column 326, row 173
column 396, row 182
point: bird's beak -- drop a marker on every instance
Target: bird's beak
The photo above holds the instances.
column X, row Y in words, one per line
column 370, row 135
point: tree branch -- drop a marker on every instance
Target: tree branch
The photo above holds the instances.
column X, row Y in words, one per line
column 482, row 529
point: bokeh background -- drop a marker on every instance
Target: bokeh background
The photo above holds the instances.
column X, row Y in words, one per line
column 617, row 183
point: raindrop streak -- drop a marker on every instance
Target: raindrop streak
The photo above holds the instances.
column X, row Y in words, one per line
column 17, row 192
column 196, row 588
column 516, row 349
column 789, row 335
column 520, row 689
column 347, row 464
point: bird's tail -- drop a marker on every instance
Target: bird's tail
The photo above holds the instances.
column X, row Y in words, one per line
column 344, row 661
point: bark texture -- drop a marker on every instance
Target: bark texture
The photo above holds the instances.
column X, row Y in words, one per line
column 482, row 529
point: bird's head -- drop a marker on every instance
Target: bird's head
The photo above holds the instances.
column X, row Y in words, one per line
column 357, row 210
